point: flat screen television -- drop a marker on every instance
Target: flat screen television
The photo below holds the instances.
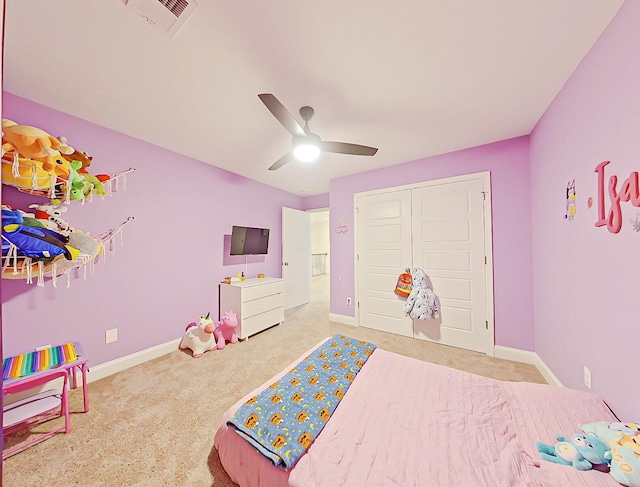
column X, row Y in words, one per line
column 249, row 240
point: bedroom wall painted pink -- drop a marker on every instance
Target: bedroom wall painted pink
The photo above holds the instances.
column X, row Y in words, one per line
column 586, row 284
column 167, row 272
column 508, row 162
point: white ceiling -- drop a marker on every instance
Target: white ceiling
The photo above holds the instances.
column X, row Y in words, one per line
column 413, row 78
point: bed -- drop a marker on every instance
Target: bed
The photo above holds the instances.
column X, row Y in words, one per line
column 404, row 422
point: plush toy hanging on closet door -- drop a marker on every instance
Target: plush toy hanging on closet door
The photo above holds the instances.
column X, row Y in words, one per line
column 422, row 303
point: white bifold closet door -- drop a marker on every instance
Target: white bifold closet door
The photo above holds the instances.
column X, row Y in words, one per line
column 384, row 243
column 448, row 244
column 440, row 227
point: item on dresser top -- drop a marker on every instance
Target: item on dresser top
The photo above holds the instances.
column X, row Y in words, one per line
column 226, row 330
column 199, row 338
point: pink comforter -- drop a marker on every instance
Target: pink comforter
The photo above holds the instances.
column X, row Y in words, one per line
column 405, row 422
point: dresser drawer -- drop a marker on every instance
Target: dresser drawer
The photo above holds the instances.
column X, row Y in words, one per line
column 261, row 290
column 260, row 305
column 259, row 322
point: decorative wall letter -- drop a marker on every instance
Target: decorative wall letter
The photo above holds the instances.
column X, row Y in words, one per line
column 629, row 191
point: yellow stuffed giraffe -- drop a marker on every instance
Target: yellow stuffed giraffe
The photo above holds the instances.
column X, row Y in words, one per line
column 31, row 142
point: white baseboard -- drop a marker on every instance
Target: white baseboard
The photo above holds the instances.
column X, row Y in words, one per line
column 104, row 370
column 343, row 319
column 526, row 357
column 109, row 368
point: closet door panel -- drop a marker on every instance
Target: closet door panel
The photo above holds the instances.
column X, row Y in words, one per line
column 448, row 244
column 384, row 251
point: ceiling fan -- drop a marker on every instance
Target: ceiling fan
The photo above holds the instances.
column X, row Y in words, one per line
column 307, row 145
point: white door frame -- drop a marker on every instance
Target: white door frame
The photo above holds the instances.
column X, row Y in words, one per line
column 485, row 176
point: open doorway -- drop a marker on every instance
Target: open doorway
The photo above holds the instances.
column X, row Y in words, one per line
column 320, row 255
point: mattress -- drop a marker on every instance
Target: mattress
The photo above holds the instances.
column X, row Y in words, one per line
column 404, row 422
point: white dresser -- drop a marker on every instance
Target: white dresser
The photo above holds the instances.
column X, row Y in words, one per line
column 258, row 302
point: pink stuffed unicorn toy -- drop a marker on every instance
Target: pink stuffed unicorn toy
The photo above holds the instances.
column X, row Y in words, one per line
column 226, row 329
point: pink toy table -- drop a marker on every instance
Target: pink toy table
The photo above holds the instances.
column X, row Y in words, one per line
column 36, row 409
column 82, row 365
column 44, row 405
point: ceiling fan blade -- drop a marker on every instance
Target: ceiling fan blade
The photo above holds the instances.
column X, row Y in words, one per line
column 281, row 162
column 282, row 114
column 345, row 148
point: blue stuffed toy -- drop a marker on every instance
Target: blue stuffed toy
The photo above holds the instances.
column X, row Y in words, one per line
column 584, row 452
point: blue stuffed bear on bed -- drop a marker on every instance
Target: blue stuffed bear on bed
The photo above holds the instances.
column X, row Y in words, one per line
column 583, row 452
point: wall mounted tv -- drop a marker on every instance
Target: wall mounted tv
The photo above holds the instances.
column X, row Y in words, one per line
column 249, row 240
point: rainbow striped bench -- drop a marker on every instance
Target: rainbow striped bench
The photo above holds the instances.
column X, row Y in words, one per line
column 31, row 362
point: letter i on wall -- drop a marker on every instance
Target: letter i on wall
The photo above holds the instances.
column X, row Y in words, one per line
column 571, row 200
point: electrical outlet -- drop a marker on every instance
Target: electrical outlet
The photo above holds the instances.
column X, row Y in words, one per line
column 587, row 377
column 348, row 301
column 111, row 335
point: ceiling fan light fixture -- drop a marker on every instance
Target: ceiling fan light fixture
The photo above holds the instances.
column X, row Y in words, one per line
column 306, row 152
column 305, row 149
column 306, row 146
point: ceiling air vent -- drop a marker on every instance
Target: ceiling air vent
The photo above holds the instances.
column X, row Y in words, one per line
column 168, row 15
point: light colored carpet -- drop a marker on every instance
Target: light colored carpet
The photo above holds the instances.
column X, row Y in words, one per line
column 153, row 425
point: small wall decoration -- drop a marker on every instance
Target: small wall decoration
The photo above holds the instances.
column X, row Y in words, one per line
column 636, row 223
column 571, row 200
column 342, row 227
column 629, row 191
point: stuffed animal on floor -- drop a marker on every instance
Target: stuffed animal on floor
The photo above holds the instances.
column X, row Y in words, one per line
column 583, row 452
column 226, row 330
column 199, row 337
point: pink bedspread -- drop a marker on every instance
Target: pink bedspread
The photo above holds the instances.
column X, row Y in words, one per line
column 407, row 423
